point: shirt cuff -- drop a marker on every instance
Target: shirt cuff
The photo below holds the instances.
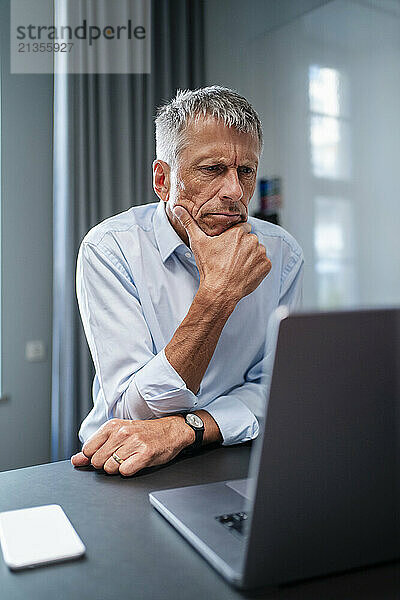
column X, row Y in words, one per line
column 162, row 388
column 236, row 422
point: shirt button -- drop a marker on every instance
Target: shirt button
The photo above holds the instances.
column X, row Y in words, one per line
column 188, row 254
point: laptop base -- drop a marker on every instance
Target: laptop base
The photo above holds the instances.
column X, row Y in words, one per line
column 193, row 511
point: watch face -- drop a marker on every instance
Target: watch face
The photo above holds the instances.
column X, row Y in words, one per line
column 194, row 420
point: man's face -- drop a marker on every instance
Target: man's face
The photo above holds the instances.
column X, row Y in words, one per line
column 216, row 176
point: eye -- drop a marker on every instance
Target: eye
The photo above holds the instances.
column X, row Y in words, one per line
column 212, row 169
column 246, row 170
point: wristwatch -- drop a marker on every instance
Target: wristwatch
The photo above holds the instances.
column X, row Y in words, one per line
column 196, row 423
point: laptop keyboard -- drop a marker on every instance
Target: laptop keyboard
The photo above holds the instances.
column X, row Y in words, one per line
column 233, row 521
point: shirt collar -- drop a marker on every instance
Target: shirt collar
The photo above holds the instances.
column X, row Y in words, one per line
column 166, row 237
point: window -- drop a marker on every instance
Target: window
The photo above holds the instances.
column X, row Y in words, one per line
column 329, row 127
column 334, row 252
column 334, row 231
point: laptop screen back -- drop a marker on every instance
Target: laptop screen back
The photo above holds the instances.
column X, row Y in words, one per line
column 327, row 465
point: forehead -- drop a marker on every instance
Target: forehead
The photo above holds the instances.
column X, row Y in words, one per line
column 208, row 138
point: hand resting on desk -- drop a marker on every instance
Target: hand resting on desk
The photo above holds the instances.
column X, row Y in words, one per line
column 141, row 444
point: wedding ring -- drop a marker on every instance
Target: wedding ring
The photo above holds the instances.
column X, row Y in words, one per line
column 117, row 458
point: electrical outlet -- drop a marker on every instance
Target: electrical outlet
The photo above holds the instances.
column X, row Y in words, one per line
column 35, row 351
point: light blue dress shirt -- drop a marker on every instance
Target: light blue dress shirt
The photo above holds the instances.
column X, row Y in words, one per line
column 136, row 280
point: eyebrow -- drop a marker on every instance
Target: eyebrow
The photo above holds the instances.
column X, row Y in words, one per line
column 222, row 161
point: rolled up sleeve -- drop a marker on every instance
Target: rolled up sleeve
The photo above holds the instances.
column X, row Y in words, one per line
column 162, row 387
column 237, row 412
column 235, row 420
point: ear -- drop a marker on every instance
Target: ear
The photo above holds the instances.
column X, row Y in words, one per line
column 161, row 179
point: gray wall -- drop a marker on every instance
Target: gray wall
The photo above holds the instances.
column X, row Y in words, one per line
column 26, row 236
column 232, row 25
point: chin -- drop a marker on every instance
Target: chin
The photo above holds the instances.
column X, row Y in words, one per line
column 217, row 229
column 217, row 224
column 211, row 229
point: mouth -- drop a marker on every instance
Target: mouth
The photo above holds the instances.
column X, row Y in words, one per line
column 225, row 216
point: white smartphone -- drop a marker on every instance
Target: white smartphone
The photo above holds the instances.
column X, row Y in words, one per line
column 36, row 536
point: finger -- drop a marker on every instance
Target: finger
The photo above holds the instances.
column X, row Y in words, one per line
column 136, row 462
column 80, row 460
column 97, row 439
column 111, row 466
column 254, row 238
column 113, row 444
column 186, row 219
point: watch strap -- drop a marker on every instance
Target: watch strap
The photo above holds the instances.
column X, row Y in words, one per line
column 199, row 435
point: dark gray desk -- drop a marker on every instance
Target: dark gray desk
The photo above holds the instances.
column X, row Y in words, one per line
column 132, row 552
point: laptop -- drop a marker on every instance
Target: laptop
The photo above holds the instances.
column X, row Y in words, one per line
column 322, row 494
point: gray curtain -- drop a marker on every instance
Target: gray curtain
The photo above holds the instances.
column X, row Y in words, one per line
column 103, row 151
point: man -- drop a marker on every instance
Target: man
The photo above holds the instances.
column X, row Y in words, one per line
column 175, row 296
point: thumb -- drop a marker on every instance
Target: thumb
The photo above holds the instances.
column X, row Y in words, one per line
column 188, row 222
column 80, row 460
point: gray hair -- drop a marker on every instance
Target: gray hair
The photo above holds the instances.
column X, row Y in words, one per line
column 188, row 105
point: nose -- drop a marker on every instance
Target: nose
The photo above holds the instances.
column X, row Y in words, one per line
column 231, row 187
